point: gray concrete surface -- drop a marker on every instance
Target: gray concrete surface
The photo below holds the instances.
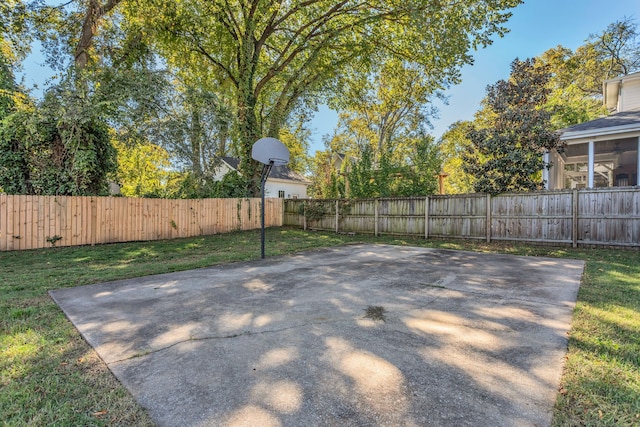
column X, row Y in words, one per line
column 363, row 335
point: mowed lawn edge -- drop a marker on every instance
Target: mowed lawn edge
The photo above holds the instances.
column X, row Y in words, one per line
column 50, row 376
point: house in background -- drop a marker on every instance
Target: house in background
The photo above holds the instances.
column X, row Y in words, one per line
column 604, row 152
column 282, row 181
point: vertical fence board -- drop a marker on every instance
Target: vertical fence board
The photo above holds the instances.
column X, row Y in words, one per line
column 28, row 222
column 76, row 222
column 19, row 224
column 10, row 219
column 50, row 219
column 3, row 222
column 4, row 226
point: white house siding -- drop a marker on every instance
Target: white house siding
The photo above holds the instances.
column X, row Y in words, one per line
column 622, row 93
column 291, row 189
column 630, row 95
column 221, row 171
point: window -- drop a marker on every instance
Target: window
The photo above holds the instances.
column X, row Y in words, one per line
column 281, row 194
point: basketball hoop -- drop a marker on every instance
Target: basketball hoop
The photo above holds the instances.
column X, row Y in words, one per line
column 270, row 152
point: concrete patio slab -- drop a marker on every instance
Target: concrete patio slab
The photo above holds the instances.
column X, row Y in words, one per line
column 358, row 335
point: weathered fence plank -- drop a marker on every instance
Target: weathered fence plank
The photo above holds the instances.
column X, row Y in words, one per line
column 602, row 216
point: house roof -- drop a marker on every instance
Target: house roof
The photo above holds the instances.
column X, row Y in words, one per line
column 277, row 172
column 617, row 125
column 635, row 75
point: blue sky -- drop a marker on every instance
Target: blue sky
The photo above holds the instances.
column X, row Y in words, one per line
column 536, row 25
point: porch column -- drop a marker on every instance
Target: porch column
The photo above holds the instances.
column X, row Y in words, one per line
column 545, row 170
column 638, row 164
column 592, row 161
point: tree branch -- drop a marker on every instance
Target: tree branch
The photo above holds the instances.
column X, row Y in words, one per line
column 217, row 63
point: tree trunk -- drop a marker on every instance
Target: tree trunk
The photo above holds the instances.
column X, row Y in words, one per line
column 195, row 136
column 95, row 12
column 249, row 134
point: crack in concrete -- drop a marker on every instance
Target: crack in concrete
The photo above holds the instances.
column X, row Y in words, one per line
column 220, row 337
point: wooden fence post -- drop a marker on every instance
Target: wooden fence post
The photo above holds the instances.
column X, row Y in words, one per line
column 426, row 218
column 282, row 210
column 94, row 221
column 376, row 217
column 574, row 226
column 337, row 215
column 488, row 218
column 304, row 216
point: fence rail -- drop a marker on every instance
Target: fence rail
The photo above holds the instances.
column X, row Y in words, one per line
column 31, row 222
column 604, row 216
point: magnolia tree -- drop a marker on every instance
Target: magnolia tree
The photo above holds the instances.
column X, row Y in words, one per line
column 506, row 154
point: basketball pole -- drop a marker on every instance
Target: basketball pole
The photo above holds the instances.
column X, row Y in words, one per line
column 266, row 169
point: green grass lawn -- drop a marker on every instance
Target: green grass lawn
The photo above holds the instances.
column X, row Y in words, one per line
column 50, row 376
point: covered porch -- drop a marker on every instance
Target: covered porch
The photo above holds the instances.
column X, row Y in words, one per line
column 601, row 153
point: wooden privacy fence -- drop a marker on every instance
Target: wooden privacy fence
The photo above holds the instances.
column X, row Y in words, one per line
column 609, row 216
column 30, row 222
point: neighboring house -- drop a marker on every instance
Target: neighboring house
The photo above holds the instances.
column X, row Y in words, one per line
column 282, row 181
column 603, row 152
column 337, row 160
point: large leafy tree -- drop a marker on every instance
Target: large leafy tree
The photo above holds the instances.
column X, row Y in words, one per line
column 275, row 56
column 59, row 147
column 143, row 169
column 613, row 52
column 382, row 128
column 146, row 102
column 62, row 145
column 576, row 77
column 7, row 86
column 452, row 146
column 386, row 109
column 507, row 154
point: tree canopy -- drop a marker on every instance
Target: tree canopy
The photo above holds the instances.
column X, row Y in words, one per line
column 382, row 131
column 208, row 78
column 274, row 57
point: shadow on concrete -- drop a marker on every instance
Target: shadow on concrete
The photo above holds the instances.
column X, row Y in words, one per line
column 461, row 338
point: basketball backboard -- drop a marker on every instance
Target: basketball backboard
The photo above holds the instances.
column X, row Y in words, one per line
column 267, row 150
